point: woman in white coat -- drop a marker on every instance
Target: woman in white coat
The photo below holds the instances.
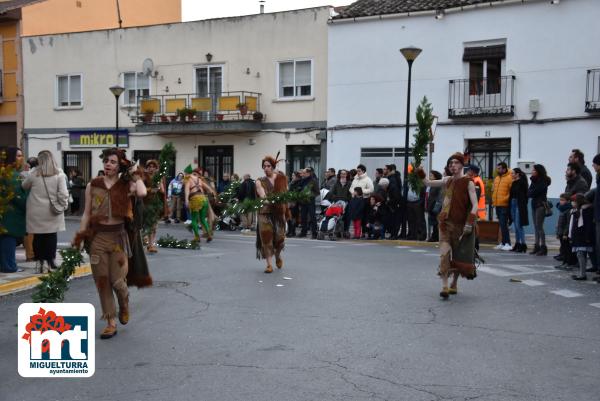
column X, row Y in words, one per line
column 47, row 201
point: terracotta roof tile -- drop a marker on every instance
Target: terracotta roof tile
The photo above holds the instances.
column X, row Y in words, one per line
column 364, row 8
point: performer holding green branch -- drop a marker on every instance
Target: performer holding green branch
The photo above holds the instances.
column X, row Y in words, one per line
column 456, row 224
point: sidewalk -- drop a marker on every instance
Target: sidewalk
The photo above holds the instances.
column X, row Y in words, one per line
column 11, row 283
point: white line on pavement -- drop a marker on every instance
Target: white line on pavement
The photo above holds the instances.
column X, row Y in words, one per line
column 325, row 246
column 533, row 283
column 596, row 305
column 567, row 293
column 402, row 247
column 417, row 250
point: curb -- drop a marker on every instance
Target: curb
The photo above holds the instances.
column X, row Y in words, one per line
column 30, row 282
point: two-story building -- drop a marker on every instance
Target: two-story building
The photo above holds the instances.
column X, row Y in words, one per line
column 225, row 92
column 513, row 81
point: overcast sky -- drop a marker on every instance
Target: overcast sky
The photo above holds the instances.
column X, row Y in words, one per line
column 204, row 9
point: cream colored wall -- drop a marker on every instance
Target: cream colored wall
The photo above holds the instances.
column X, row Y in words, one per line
column 256, row 42
column 57, row 16
column 246, row 157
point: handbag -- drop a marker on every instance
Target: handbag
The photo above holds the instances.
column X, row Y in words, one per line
column 547, row 208
column 54, row 209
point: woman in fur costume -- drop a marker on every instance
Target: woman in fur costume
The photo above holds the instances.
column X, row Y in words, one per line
column 270, row 232
column 108, row 208
column 456, row 224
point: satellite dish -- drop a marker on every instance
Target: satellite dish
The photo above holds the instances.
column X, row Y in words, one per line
column 148, row 66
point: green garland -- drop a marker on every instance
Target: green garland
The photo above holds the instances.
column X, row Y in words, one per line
column 421, row 138
column 53, row 286
column 252, row 205
column 153, row 210
column 230, row 193
column 169, row 241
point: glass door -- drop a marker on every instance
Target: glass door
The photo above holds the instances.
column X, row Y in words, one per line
column 209, row 83
column 218, row 160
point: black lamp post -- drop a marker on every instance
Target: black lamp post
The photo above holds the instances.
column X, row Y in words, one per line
column 410, row 54
column 117, row 90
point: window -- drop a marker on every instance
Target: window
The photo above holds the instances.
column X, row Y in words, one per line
column 69, row 90
column 136, row 84
column 295, row 78
column 485, row 68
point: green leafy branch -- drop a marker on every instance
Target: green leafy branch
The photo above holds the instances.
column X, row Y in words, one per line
column 421, row 140
column 53, row 286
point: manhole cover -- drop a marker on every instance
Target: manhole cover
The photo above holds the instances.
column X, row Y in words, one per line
column 171, row 284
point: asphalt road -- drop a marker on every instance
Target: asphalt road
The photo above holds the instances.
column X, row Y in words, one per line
column 353, row 321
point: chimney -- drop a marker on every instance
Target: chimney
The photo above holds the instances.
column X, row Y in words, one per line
column 262, row 6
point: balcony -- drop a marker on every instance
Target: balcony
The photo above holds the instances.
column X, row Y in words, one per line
column 592, row 93
column 482, row 97
column 216, row 112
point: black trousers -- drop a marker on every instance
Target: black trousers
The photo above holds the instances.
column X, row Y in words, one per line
column 416, row 221
column 44, row 247
column 308, row 218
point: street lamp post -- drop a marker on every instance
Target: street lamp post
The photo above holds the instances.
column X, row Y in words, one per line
column 117, row 90
column 410, row 54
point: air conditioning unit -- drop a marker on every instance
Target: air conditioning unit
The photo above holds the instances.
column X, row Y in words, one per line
column 527, row 167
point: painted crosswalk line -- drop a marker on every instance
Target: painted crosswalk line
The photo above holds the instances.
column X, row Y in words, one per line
column 596, row 305
column 417, row 250
column 567, row 293
column 533, row 283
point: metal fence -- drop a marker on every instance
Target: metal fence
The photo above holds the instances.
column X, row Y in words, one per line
column 481, row 97
column 592, row 93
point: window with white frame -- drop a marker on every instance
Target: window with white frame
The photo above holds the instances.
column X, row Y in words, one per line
column 295, row 78
column 68, row 90
column 137, row 85
column 485, row 68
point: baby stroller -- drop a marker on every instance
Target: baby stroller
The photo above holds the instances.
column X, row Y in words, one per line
column 331, row 223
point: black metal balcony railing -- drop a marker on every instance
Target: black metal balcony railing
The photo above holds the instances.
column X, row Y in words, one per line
column 189, row 107
column 481, row 97
column 592, row 93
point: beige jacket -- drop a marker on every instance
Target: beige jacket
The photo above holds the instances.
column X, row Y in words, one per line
column 39, row 218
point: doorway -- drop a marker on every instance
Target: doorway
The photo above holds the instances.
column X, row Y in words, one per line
column 218, row 160
column 303, row 156
column 487, row 153
column 80, row 161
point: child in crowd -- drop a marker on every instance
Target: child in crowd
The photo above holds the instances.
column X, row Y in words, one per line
column 376, row 217
column 581, row 232
column 356, row 208
column 562, row 233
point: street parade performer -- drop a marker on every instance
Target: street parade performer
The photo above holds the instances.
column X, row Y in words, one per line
column 108, row 210
column 196, row 201
column 156, row 195
column 270, row 232
column 456, row 224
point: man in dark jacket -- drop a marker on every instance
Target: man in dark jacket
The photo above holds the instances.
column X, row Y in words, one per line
column 595, row 197
column 308, row 213
column 329, row 180
column 247, row 190
column 575, row 183
column 577, row 156
column 394, row 198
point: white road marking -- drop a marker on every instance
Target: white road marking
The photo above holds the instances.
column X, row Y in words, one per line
column 596, row 305
column 417, row 250
column 402, row 247
column 567, row 293
column 279, row 285
column 325, row 246
column 533, row 283
column 506, row 270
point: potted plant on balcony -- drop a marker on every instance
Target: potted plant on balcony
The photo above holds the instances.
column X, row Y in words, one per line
column 164, row 118
column 257, row 116
column 182, row 113
column 173, row 118
column 243, row 108
column 148, row 115
column 219, row 116
column 191, row 114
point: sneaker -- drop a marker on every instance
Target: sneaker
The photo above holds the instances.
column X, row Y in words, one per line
column 188, row 222
column 506, row 247
column 499, row 247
